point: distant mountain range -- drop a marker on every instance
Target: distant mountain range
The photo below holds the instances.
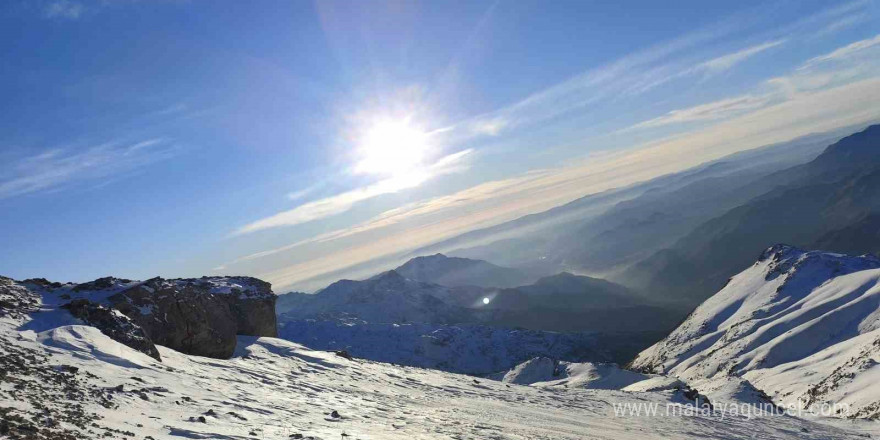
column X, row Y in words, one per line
column 676, row 239
column 563, row 302
column 397, row 315
column 830, row 203
column 610, row 230
column 457, row 272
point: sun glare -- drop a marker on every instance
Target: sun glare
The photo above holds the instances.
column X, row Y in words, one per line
column 392, row 148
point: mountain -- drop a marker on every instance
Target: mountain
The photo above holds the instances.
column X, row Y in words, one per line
column 386, row 298
column 801, row 326
column 831, row 202
column 456, row 272
column 567, row 302
column 473, row 329
column 199, row 316
column 563, row 302
column 569, row 291
column 545, row 372
column 466, row 349
column 608, row 231
column 70, row 381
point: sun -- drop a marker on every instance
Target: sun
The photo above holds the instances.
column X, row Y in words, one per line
column 391, row 148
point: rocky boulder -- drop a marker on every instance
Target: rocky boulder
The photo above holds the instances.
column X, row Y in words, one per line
column 114, row 324
column 200, row 316
column 16, row 300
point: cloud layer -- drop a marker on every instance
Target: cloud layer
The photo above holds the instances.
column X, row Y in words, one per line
column 57, row 168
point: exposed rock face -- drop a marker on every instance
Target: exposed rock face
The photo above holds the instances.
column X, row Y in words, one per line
column 15, row 299
column 200, row 316
column 114, row 324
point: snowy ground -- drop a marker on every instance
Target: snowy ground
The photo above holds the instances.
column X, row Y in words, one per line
column 276, row 389
column 804, row 327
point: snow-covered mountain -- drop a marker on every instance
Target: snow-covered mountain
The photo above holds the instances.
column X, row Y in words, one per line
column 471, row 329
column 70, row 381
column 469, row 349
column 386, row 298
column 801, row 326
column 548, row 373
column 455, row 272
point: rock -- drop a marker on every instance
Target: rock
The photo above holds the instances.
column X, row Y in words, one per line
column 16, row 300
column 114, row 324
column 68, row 369
column 335, row 414
column 200, row 316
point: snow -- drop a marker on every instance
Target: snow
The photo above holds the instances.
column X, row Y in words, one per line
column 544, row 372
column 467, row 349
column 800, row 326
column 275, row 389
column 88, row 342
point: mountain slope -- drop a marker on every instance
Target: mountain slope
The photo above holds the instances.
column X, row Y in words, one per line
column 599, row 232
column 804, row 327
column 830, row 202
column 72, row 382
column 455, row 272
column 471, row 329
column 385, row 298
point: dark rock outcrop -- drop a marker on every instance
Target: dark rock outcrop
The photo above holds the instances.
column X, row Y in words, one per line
column 16, row 300
column 200, row 316
column 114, row 324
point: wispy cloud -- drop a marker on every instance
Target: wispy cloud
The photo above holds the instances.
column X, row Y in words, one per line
column 842, row 23
column 826, row 99
column 64, row 9
column 844, row 53
column 494, row 202
column 303, row 193
column 340, row 203
column 726, row 62
column 823, row 100
column 635, row 74
column 853, row 61
column 57, row 168
column 706, row 112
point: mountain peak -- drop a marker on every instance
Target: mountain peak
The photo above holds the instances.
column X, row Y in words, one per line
column 855, row 149
column 779, row 251
column 457, row 271
column 389, row 278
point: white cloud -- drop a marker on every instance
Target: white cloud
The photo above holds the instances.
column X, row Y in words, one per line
column 722, row 109
column 340, row 203
column 64, row 9
column 54, row 168
column 843, row 23
column 852, row 62
column 300, row 194
column 725, row 62
column 845, row 52
column 494, row 202
column 836, row 97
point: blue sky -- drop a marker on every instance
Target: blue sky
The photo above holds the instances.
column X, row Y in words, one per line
column 274, row 138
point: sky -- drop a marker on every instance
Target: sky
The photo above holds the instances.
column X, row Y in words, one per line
column 301, row 141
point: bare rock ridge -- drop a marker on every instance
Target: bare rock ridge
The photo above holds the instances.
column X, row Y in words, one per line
column 200, row 316
column 197, row 316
